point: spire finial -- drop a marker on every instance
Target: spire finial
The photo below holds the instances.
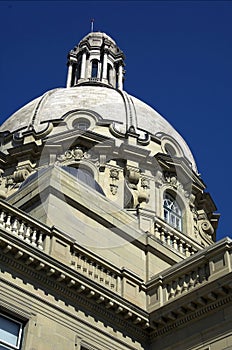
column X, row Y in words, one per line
column 92, row 22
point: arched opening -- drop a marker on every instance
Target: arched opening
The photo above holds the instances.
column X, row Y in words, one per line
column 170, row 150
column 172, row 211
column 94, row 72
column 84, row 175
column 81, row 124
column 109, row 73
column 78, row 72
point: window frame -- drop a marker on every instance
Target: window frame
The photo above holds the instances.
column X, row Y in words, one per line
column 94, row 68
column 6, row 345
column 173, row 217
column 82, row 124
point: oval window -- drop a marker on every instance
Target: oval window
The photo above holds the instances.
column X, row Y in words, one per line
column 81, row 124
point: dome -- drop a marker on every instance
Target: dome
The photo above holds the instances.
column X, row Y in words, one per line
column 129, row 153
column 98, row 35
column 110, row 104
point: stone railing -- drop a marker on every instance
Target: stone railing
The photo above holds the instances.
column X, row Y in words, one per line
column 94, row 79
column 174, row 239
column 93, row 268
column 55, row 243
column 192, row 273
column 187, row 281
column 22, row 226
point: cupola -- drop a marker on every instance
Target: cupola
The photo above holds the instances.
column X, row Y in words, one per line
column 96, row 60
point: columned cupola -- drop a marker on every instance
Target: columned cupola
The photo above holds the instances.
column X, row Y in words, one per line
column 96, row 60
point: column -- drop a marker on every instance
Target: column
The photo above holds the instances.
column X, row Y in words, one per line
column 69, row 77
column 120, row 77
column 104, row 70
column 83, row 65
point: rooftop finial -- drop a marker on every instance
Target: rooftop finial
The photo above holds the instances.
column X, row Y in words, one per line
column 92, row 22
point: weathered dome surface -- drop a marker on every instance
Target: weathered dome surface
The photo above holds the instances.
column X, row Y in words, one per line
column 100, row 35
column 110, row 104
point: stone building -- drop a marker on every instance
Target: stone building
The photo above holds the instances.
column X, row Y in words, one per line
column 107, row 235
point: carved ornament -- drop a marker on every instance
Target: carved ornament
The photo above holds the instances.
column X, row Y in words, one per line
column 76, row 153
column 133, row 176
column 172, row 180
column 114, row 176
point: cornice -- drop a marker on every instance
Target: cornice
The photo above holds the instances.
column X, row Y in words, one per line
column 38, row 268
column 189, row 312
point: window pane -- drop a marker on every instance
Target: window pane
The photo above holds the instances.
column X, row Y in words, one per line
column 9, row 332
column 172, row 211
column 82, row 124
column 4, row 347
column 94, row 69
column 172, row 219
column 165, row 214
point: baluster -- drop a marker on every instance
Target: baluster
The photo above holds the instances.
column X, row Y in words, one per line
column 15, row 227
column 8, row 223
column 90, row 272
column 157, row 232
column 191, row 282
column 79, row 262
column 202, row 274
column 174, row 243
column 168, row 240
column 40, row 242
column 191, row 251
column 27, row 235
column 185, row 285
column 112, row 282
column 96, row 271
column 21, row 231
column 187, row 253
column 107, row 279
column 162, row 238
column 101, row 274
column 197, row 278
column 181, row 246
column 118, row 284
column 171, row 293
column 85, row 265
column 2, row 222
column 178, row 287
column 33, row 238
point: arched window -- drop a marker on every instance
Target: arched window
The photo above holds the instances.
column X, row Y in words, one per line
column 94, row 69
column 172, row 212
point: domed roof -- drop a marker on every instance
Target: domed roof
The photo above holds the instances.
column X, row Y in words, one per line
column 110, row 104
column 100, row 35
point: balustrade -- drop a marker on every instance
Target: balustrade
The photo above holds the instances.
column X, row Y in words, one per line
column 199, row 270
column 173, row 239
column 186, row 281
column 95, row 271
column 21, row 228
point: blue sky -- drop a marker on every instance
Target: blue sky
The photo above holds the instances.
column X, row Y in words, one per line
column 178, row 60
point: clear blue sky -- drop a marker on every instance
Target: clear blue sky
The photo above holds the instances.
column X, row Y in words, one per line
column 178, row 60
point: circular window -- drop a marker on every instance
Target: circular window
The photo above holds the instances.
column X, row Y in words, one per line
column 171, row 147
column 81, row 124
